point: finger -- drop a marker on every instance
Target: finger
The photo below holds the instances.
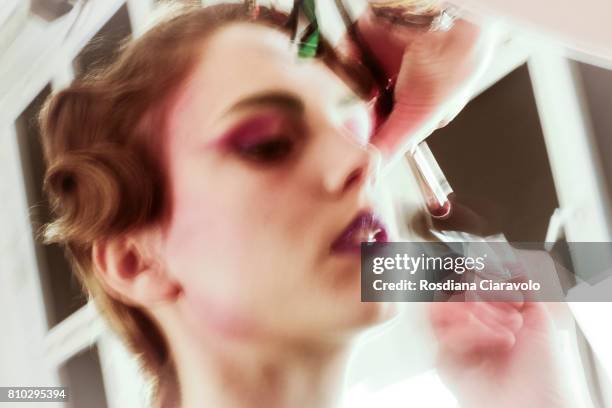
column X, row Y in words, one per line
column 507, row 306
column 474, row 336
column 449, row 317
column 404, row 121
column 536, row 316
column 499, row 313
column 444, row 314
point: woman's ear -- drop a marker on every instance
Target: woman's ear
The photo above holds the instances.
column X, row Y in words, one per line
column 131, row 269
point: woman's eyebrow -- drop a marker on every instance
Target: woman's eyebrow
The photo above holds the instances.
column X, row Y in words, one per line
column 278, row 99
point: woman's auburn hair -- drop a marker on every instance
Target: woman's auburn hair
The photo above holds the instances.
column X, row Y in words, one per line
column 104, row 176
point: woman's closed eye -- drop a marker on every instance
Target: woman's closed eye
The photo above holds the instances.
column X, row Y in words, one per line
column 266, row 139
column 271, row 150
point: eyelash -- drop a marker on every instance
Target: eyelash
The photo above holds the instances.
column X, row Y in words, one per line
column 265, row 140
column 270, row 150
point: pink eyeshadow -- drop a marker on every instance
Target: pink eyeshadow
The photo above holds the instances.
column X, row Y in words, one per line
column 253, row 130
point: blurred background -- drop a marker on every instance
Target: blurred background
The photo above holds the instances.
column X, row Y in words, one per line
column 530, row 152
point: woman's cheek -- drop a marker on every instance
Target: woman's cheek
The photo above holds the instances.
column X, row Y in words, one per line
column 208, row 261
column 201, row 237
column 197, row 258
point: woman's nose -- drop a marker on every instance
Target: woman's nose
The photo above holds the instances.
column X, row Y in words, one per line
column 348, row 165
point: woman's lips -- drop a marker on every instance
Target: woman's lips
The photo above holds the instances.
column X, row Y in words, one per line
column 365, row 227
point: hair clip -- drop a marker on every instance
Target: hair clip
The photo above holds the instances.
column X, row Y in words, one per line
column 310, row 37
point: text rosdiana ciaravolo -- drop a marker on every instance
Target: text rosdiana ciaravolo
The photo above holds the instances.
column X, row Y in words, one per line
column 483, row 285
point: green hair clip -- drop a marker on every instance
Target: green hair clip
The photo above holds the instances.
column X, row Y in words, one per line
column 311, row 37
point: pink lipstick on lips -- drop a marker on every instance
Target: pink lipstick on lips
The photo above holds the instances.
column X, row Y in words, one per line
column 365, row 227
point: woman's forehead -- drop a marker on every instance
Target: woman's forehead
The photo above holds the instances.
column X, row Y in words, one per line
column 245, row 59
column 252, row 37
column 244, row 56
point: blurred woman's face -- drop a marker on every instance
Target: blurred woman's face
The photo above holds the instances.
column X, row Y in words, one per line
column 272, row 183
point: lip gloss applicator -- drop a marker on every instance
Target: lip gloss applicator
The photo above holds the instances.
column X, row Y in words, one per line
column 431, row 180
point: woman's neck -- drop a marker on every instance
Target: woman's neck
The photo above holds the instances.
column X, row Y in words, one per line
column 256, row 375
